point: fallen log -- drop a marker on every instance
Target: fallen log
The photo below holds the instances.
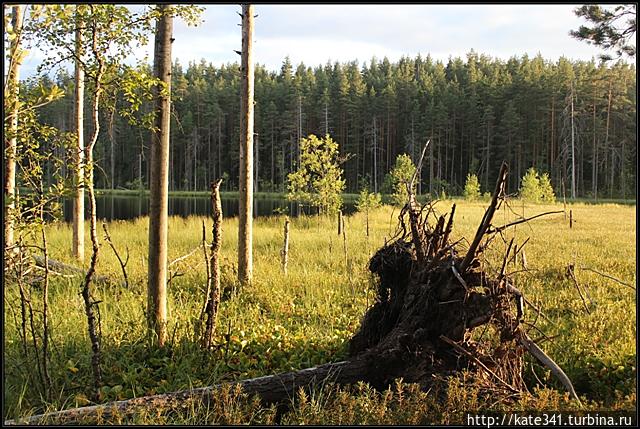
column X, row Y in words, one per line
column 58, row 266
column 270, row 389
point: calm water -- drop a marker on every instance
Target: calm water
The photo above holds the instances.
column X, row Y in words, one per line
column 112, row 207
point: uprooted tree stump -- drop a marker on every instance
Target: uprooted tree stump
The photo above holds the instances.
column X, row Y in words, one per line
column 431, row 296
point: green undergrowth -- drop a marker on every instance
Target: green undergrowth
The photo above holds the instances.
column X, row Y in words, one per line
column 305, row 318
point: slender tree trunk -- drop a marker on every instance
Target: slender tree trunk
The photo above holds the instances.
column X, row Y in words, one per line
column 594, row 155
column 11, row 98
column 375, row 156
column 573, row 150
column 78, row 199
column 606, row 137
column 245, row 229
column 158, row 183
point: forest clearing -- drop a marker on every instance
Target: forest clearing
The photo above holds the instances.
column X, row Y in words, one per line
column 246, row 243
column 306, row 317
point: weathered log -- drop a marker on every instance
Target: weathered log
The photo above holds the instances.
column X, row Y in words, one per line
column 58, row 266
column 270, row 389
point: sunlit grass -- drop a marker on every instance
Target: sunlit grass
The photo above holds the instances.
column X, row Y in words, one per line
column 286, row 322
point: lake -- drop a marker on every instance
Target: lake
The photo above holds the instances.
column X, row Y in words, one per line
column 123, row 207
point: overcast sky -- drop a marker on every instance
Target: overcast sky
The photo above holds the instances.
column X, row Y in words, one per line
column 314, row 34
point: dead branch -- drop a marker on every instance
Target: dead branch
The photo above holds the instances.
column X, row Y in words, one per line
column 519, row 221
column 538, row 353
column 183, row 257
column 123, row 265
column 608, row 276
column 572, row 276
column 486, row 220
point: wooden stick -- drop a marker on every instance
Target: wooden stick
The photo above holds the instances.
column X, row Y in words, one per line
column 284, row 253
column 570, row 218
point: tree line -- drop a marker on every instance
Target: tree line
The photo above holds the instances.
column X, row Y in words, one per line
column 477, row 111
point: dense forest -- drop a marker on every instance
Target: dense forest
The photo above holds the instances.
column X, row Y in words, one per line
column 476, row 112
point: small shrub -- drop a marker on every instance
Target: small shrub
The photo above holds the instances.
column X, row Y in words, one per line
column 546, row 190
column 472, row 188
column 398, row 178
column 530, row 187
column 368, row 200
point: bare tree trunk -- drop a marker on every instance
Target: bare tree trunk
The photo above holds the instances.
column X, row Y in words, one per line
column 158, row 183
column 213, row 299
column 285, row 247
column 78, row 198
column 594, row 155
column 573, row 150
column 375, row 156
column 111, row 131
column 11, row 96
column 606, row 137
column 245, row 229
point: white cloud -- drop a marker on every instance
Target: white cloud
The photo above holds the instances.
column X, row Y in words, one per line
column 315, row 34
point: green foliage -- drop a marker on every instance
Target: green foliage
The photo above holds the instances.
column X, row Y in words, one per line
column 368, row 200
column 471, row 188
column 606, row 31
column 318, row 180
column 536, row 188
column 398, row 179
column 41, row 155
column 530, row 186
column 546, row 190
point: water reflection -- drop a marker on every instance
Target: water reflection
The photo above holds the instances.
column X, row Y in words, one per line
column 110, row 207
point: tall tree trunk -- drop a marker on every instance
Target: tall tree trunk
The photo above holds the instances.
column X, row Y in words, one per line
column 573, row 150
column 594, row 155
column 606, row 137
column 375, row 157
column 245, row 229
column 11, row 98
column 112, row 146
column 158, row 183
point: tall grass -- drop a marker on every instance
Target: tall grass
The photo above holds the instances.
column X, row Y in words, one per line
column 288, row 322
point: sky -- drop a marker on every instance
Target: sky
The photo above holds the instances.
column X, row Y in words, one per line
column 315, row 34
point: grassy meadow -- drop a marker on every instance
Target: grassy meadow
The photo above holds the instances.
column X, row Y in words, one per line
column 288, row 322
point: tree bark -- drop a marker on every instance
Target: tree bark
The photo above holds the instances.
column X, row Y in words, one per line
column 245, row 229
column 213, row 299
column 78, row 198
column 270, row 389
column 11, row 91
column 158, row 183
